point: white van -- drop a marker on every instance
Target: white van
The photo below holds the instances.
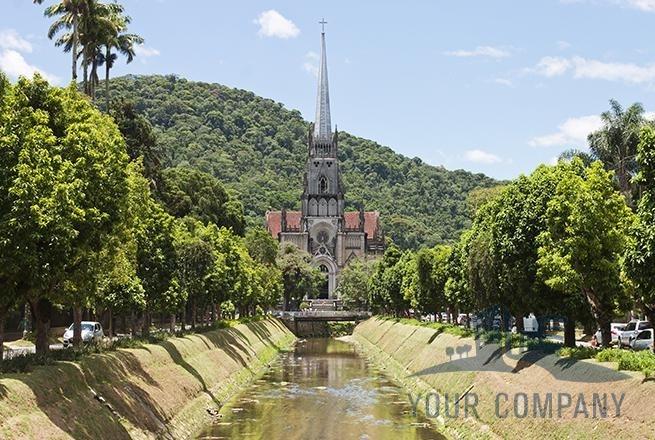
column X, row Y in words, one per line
column 530, row 324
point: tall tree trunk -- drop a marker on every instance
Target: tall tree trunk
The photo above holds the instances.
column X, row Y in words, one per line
column 601, row 314
column 133, row 323
column 147, row 320
column 41, row 310
column 85, row 72
column 218, row 311
column 183, row 318
column 569, row 332
column 111, row 322
column 172, row 324
column 3, row 319
column 76, row 36
column 77, row 326
column 123, row 323
column 518, row 318
column 194, row 313
column 107, row 67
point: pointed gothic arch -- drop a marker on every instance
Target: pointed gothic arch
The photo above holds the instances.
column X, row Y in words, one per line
column 313, row 207
column 323, row 208
column 332, row 207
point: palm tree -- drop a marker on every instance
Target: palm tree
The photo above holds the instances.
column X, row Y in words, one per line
column 69, row 13
column 123, row 43
column 100, row 22
column 615, row 144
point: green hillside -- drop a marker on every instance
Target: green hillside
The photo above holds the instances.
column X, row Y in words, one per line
column 258, row 149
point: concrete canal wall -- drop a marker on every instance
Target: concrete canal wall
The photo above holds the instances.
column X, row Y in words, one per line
column 157, row 391
column 516, row 382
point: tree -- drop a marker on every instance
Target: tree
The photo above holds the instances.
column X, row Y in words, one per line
column 140, row 140
column 262, row 247
column 69, row 13
column 116, row 41
column 377, row 286
column 587, row 233
column 615, row 144
column 640, row 259
column 353, row 284
column 189, row 192
column 300, row 279
column 195, row 261
column 63, row 187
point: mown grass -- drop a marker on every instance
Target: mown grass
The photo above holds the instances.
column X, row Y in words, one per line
column 627, row 360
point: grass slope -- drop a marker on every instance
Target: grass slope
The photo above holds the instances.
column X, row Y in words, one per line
column 157, row 391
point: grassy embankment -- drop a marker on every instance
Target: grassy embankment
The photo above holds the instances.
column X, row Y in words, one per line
column 427, row 358
column 156, row 390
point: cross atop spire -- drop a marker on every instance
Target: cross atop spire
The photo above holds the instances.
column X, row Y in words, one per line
column 322, row 23
column 322, row 124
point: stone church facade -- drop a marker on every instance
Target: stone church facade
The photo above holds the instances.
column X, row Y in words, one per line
column 322, row 228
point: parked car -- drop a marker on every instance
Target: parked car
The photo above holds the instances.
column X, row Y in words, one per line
column 643, row 341
column 530, row 324
column 616, row 328
column 91, row 332
column 631, row 331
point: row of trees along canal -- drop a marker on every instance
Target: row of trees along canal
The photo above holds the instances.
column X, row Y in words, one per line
column 89, row 221
column 576, row 239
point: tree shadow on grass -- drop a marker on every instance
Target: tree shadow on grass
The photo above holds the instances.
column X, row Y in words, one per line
column 177, row 357
column 62, row 396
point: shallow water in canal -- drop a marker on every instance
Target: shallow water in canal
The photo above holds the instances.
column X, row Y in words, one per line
column 321, row 390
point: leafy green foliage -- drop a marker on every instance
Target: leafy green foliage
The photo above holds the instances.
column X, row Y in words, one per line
column 581, row 250
column 641, row 257
column 299, row 277
column 189, row 192
column 257, row 148
column 353, row 284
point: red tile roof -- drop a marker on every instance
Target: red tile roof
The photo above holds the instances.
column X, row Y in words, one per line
column 371, row 221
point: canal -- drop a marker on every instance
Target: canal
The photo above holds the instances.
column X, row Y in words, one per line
column 321, row 390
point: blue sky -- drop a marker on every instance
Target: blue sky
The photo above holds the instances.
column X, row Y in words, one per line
column 494, row 86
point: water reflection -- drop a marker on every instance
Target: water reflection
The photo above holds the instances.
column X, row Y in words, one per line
column 322, row 390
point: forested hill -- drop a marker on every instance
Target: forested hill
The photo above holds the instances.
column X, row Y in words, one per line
column 258, row 149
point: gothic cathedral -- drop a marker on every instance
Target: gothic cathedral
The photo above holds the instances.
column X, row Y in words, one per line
column 332, row 236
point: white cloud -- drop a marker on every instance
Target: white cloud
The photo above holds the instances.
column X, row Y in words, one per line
column 583, row 68
column 572, row 132
column 15, row 65
column 551, row 66
column 503, row 82
column 311, row 63
column 146, row 52
column 562, row 45
column 644, row 5
column 273, row 24
column 480, row 51
column 9, row 39
column 481, row 156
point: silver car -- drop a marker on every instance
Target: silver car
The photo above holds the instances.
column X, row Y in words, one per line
column 643, row 341
column 631, row 331
column 91, row 332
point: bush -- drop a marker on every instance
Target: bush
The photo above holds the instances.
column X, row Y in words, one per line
column 643, row 361
column 304, row 305
column 578, row 352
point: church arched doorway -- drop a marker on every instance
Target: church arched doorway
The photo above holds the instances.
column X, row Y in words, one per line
column 324, row 288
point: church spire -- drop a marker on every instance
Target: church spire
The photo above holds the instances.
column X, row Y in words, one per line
column 322, row 124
